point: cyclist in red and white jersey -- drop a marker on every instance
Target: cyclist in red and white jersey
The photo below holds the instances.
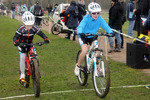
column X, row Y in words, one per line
column 25, row 34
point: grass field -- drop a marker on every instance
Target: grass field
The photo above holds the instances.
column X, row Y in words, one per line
column 57, row 60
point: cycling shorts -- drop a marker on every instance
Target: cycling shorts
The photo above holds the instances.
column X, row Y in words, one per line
column 86, row 40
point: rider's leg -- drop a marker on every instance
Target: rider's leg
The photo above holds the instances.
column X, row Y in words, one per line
column 22, row 65
column 84, row 50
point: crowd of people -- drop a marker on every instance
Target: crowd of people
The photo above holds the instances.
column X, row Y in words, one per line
column 119, row 13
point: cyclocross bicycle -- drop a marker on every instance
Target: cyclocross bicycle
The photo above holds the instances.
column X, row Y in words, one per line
column 96, row 63
column 32, row 67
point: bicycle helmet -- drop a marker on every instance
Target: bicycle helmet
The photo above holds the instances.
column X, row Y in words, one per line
column 94, row 7
column 28, row 18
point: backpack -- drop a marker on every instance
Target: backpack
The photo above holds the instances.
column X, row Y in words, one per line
column 76, row 12
column 142, row 39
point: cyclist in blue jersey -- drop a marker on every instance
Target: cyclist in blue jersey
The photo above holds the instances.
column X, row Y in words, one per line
column 90, row 24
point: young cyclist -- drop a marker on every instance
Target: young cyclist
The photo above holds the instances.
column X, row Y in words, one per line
column 25, row 34
column 90, row 24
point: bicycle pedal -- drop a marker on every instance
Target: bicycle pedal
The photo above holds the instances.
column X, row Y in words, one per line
column 23, row 81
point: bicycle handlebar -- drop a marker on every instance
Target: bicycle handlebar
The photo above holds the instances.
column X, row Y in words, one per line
column 97, row 34
column 28, row 45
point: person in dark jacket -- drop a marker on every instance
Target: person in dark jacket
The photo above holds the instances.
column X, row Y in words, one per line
column 38, row 12
column 142, row 10
column 123, row 20
column 65, row 18
column 146, row 23
column 130, row 17
column 13, row 10
column 72, row 22
column 81, row 9
column 49, row 8
column 115, row 14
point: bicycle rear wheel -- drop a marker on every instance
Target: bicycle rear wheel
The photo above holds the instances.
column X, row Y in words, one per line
column 56, row 29
column 36, row 77
column 101, row 77
column 83, row 76
column 46, row 22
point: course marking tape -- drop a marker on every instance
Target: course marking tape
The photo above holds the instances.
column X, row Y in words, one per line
column 67, row 91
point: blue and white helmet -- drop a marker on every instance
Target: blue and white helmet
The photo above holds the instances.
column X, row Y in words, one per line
column 28, row 18
column 94, row 7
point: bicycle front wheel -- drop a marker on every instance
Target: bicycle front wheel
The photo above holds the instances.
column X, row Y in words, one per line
column 101, row 76
column 56, row 29
column 36, row 78
column 83, row 76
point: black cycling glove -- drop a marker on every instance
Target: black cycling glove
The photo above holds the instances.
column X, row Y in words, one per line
column 46, row 41
column 82, row 35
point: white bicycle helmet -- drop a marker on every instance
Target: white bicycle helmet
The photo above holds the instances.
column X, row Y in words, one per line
column 94, row 7
column 28, row 18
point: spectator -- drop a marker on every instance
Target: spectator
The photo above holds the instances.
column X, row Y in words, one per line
column 146, row 23
column 65, row 18
column 23, row 9
column 43, row 11
column 142, row 10
column 49, row 8
column 53, row 10
column 81, row 9
column 115, row 14
column 32, row 9
column 123, row 20
column 72, row 22
column 13, row 10
column 130, row 17
column 90, row 24
column 3, row 8
column 38, row 13
column 18, row 9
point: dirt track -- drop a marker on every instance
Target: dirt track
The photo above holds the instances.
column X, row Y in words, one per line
column 116, row 56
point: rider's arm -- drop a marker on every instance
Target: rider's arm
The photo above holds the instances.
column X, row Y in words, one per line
column 18, row 34
column 40, row 33
column 82, row 25
column 105, row 26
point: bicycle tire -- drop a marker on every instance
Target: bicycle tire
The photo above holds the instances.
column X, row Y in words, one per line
column 36, row 78
column 83, row 77
column 55, row 29
column 27, row 77
column 102, row 81
column 45, row 22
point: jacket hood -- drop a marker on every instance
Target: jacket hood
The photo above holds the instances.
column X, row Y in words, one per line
column 81, row 3
column 73, row 3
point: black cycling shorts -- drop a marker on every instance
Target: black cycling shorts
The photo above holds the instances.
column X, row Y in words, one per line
column 86, row 40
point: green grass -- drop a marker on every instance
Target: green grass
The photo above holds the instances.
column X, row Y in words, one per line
column 57, row 60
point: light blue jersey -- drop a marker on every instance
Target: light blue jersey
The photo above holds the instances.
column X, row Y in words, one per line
column 91, row 26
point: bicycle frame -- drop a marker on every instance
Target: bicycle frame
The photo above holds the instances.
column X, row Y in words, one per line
column 91, row 57
column 30, row 55
column 96, row 63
